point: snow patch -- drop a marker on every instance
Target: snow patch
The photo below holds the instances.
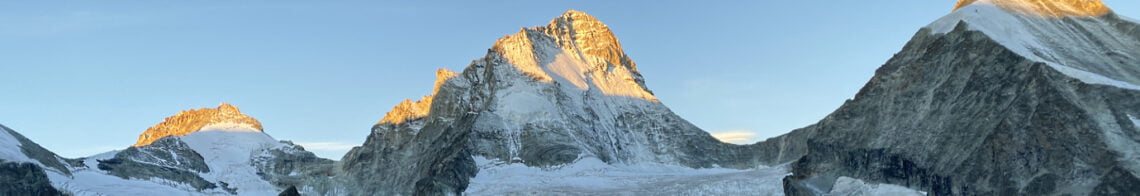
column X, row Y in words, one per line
column 568, row 70
column 856, row 187
column 526, row 104
column 93, row 182
column 590, row 176
column 1128, row 147
column 231, row 127
column 10, row 148
column 228, row 152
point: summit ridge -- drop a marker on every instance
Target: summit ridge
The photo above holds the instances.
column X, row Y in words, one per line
column 189, row 121
column 1046, row 8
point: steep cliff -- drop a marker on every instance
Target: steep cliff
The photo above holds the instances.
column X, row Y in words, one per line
column 991, row 100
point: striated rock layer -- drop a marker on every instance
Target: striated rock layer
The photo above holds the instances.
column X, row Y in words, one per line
column 189, row 121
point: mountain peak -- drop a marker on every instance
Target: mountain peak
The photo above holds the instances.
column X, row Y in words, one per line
column 409, row 109
column 226, row 107
column 574, row 15
column 589, row 35
column 1046, row 8
column 189, row 121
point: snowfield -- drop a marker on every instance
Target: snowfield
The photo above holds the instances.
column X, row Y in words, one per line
column 590, row 176
column 228, row 150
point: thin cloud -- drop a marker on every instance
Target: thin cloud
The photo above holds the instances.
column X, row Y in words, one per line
column 735, row 137
column 328, row 150
column 327, row 146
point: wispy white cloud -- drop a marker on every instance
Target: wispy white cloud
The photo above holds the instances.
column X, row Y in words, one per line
column 328, row 150
column 326, row 145
column 735, row 137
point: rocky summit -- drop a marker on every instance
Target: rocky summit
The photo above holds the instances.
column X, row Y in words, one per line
column 189, row 121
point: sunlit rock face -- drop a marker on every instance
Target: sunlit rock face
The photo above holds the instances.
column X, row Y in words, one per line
column 189, row 121
column 409, row 109
column 1046, row 8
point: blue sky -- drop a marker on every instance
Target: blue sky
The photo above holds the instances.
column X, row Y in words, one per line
column 85, row 77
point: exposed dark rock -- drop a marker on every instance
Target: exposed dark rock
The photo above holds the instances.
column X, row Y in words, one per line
column 24, row 179
column 37, row 152
column 291, row 191
column 292, row 166
column 167, row 158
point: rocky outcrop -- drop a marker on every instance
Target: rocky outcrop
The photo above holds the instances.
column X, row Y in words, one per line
column 291, row 191
column 292, row 166
column 24, row 179
column 959, row 113
column 168, row 159
column 189, row 121
column 410, row 110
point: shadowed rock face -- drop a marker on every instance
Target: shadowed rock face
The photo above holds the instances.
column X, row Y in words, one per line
column 168, row 158
column 24, row 179
column 40, row 154
column 189, row 121
column 960, row 114
column 30, row 177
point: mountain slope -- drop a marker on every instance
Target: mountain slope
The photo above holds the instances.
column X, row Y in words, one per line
column 24, row 166
column 990, row 100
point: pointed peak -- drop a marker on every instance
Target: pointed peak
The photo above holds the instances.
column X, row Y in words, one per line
column 189, row 121
column 408, row 109
column 441, row 77
column 575, row 14
column 572, row 20
column 1045, row 8
column 227, row 107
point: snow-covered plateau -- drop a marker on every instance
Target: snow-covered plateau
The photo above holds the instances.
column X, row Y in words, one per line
column 590, row 176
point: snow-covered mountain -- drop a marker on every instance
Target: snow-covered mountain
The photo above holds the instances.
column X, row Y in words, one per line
column 217, row 156
column 1000, row 97
column 545, row 97
column 24, row 166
